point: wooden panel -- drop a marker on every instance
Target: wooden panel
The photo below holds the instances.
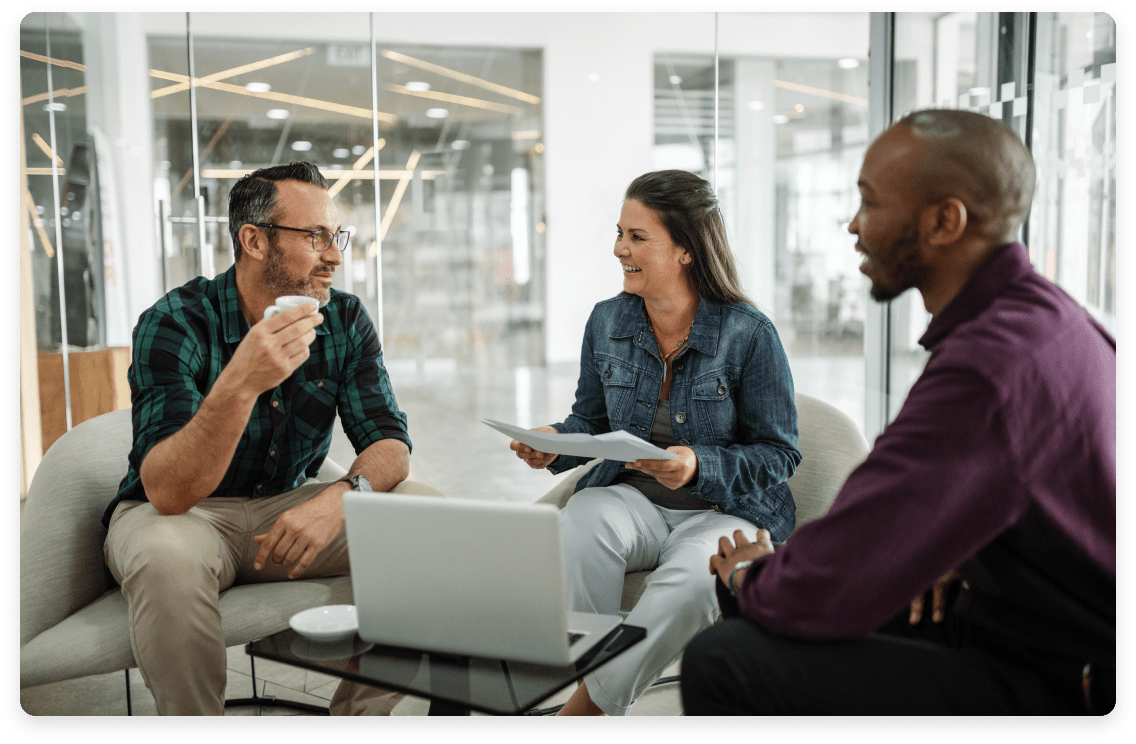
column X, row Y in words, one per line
column 31, row 442
column 98, row 385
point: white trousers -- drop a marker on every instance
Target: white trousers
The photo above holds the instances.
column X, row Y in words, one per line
column 609, row 531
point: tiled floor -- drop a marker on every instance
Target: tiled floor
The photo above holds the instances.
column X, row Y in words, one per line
column 460, row 456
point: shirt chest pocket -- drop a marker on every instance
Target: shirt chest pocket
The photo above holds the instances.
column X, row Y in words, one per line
column 313, row 408
column 713, row 398
column 618, row 385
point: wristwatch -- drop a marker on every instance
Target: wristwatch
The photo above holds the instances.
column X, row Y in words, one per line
column 358, row 482
column 743, row 566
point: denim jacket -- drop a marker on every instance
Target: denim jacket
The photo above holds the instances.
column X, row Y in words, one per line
column 731, row 402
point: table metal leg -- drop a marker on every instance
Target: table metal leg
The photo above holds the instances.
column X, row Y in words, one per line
column 443, row 708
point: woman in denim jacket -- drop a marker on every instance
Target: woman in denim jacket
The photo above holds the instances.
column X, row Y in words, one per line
column 683, row 359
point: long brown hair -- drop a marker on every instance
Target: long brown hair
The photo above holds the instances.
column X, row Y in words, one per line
column 688, row 209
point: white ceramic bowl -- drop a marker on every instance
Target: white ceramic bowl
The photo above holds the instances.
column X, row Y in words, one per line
column 328, row 623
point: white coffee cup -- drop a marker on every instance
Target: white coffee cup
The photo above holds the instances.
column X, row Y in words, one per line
column 287, row 302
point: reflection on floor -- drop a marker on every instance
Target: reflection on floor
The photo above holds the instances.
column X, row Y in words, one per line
column 105, row 694
column 461, row 457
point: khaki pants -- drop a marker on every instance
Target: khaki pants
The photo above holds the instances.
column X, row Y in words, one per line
column 172, row 570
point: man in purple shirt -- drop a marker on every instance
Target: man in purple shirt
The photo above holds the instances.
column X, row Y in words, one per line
column 995, row 485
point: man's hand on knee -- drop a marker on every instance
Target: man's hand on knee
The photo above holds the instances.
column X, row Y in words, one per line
column 301, row 533
column 729, row 557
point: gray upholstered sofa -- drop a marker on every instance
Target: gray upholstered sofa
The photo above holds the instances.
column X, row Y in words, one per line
column 72, row 614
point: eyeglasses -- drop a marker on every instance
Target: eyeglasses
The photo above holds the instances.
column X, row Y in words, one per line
column 321, row 239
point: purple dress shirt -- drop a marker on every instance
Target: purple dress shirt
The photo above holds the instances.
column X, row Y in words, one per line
column 1001, row 464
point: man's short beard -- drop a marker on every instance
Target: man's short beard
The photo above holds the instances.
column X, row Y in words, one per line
column 281, row 282
column 910, row 271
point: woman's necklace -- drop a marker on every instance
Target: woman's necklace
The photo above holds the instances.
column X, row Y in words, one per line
column 667, row 356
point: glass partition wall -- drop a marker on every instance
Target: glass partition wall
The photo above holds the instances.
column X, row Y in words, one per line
column 479, row 161
column 792, row 132
column 457, row 162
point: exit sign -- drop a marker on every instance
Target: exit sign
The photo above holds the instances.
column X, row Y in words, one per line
column 348, row 55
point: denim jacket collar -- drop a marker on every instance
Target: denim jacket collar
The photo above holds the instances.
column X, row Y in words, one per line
column 703, row 334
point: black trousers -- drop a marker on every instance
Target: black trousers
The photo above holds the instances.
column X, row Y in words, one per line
column 739, row 668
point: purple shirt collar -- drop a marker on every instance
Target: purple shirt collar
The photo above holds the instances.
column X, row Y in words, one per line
column 1007, row 265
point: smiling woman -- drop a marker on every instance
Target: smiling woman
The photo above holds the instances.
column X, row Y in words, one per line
column 682, row 360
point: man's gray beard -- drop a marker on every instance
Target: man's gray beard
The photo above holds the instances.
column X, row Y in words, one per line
column 280, row 282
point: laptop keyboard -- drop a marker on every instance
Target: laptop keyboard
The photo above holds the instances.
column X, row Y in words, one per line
column 573, row 637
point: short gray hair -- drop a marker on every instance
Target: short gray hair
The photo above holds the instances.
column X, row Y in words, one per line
column 254, row 197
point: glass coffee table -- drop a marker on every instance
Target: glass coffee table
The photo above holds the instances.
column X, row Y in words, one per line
column 455, row 685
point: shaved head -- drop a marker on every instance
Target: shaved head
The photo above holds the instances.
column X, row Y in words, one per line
column 977, row 160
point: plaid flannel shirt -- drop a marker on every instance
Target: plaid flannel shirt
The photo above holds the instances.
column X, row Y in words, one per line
column 182, row 343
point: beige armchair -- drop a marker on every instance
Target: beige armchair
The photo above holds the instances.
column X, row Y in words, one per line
column 831, row 447
column 72, row 614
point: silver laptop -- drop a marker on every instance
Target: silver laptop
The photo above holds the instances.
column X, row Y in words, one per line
column 466, row 577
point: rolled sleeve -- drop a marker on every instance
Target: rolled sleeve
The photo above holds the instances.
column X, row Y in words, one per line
column 366, row 402
column 162, row 377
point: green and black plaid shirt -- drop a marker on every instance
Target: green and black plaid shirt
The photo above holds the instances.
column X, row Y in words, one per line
column 182, row 343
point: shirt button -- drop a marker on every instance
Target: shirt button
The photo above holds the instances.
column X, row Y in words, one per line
column 260, row 486
column 678, row 368
column 684, row 442
column 680, row 417
column 607, row 374
column 272, row 453
column 721, row 390
column 275, row 404
column 319, row 384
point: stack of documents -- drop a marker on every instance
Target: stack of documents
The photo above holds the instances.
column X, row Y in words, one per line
column 614, row 445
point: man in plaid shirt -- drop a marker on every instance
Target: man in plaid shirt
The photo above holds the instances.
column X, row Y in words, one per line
column 232, row 420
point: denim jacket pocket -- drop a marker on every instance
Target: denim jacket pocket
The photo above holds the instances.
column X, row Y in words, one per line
column 618, row 378
column 712, row 395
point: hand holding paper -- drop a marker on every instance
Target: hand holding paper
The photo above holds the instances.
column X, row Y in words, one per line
column 535, row 459
column 675, row 472
column 615, row 445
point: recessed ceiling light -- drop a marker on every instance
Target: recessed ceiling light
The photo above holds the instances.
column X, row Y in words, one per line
column 848, row 63
column 340, row 152
column 460, row 144
column 978, row 91
column 417, row 86
column 437, row 113
column 799, row 108
column 676, row 80
column 358, row 150
column 277, row 114
column 780, row 119
column 235, row 164
column 301, row 145
column 594, row 77
column 258, row 87
column 755, row 105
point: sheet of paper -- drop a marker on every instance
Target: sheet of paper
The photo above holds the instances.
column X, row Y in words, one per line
column 614, row 445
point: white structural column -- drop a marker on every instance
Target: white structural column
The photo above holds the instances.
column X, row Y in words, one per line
column 118, row 104
column 599, row 110
column 754, row 222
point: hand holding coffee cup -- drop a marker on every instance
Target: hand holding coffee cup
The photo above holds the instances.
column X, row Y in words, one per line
column 287, row 302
